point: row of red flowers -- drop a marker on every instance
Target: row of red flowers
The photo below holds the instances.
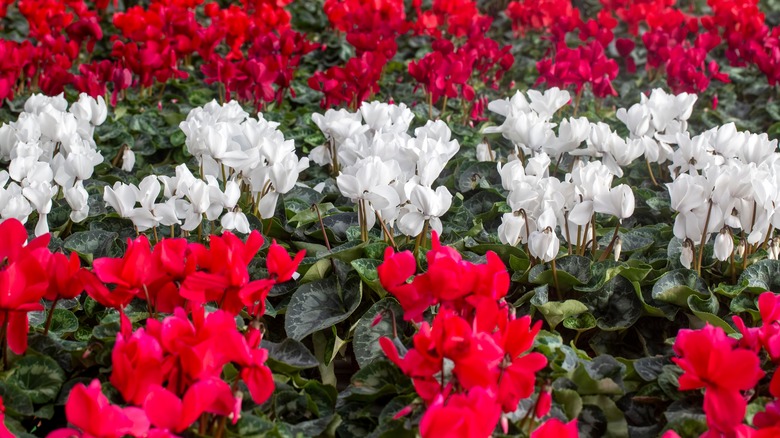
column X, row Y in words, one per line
column 252, row 52
column 470, row 362
column 170, row 372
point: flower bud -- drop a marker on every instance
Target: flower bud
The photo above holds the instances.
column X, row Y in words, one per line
column 686, row 256
column 543, row 403
column 128, row 160
column 740, row 251
column 776, row 247
column 724, row 245
column 617, row 248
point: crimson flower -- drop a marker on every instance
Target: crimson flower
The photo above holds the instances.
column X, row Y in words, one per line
column 131, row 274
column 710, row 360
column 555, row 428
column 168, row 412
column 64, row 277
column 23, row 281
column 93, row 416
column 136, row 366
column 468, row 416
column 4, row 432
column 224, row 278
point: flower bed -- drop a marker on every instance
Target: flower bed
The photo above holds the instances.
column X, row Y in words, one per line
column 348, row 218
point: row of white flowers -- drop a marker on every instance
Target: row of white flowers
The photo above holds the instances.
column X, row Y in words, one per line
column 50, row 149
column 724, row 182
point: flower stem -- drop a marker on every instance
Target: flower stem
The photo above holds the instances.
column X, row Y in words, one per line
column 555, row 280
column 334, row 158
column 733, row 268
column 221, row 427
column 387, row 232
column 6, row 317
column 650, row 170
column 363, row 221
column 420, row 240
column 568, row 234
column 704, row 235
column 593, row 239
column 50, row 316
column 608, row 251
column 316, row 208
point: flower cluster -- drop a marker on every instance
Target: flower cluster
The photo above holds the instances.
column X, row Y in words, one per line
column 51, row 149
column 387, row 172
column 30, row 272
column 247, row 155
column 472, row 362
column 729, row 370
column 232, row 146
column 172, row 371
column 154, row 45
column 176, row 273
column 540, row 202
column 726, row 181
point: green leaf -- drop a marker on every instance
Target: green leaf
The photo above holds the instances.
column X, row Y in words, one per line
column 374, row 380
column 555, row 312
column 505, row 252
column 706, row 309
column 317, row 271
column 106, row 332
column 649, row 368
column 289, row 355
column 668, row 380
column 319, row 305
column 253, row 426
column 675, row 287
column 616, row 305
column 602, row 375
column 39, row 377
column 366, row 269
column 15, row 399
column 570, row 401
column 90, row 244
column 616, row 421
column 761, row 276
column 366, row 340
column 572, row 271
column 582, row 322
column 731, row 290
column 63, row 321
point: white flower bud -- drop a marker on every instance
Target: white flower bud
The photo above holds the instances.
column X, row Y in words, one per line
column 686, row 256
column 724, row 245
column 128, row 160
column 740, row 251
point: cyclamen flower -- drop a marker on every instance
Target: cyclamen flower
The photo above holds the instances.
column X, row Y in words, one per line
column 94, row 416
column 425, row 204
column 555, row 428
column 474, row 414
column 618, row 202
column 544, row 243
column 711, row 360
column 23, row 281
